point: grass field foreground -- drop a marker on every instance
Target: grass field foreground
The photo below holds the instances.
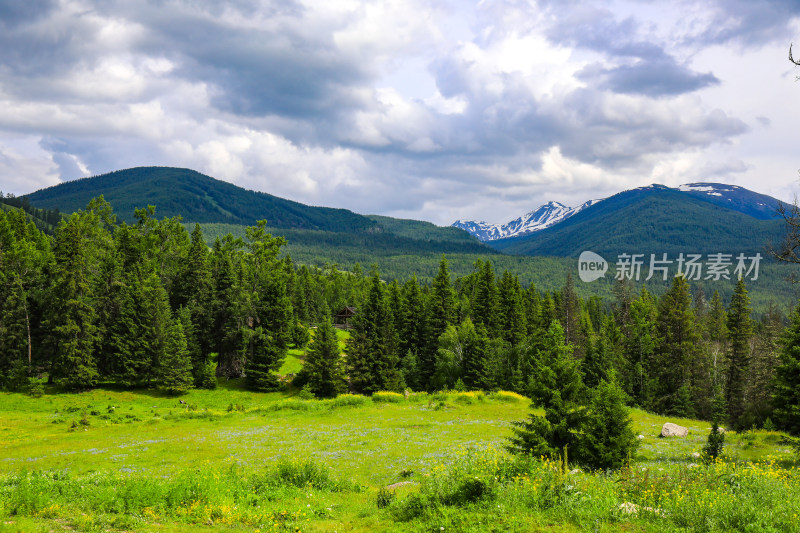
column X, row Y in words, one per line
column 110, row 460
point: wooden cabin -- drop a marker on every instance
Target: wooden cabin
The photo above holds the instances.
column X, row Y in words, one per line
column 342, row 319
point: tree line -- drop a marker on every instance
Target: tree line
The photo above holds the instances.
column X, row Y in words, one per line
column 150, row 304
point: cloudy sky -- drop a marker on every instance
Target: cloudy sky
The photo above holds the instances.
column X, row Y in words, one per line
column 428, row 109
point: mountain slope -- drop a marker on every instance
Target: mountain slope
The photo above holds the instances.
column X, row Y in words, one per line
column 197, row 198
column 200, row 198
column 654, row 219
column 733, row 197
column 543, row 217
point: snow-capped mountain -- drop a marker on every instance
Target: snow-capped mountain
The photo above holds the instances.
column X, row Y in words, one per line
column 732, row 197
column 545, row 216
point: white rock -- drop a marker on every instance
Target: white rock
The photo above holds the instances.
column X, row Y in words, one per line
column 673, row 430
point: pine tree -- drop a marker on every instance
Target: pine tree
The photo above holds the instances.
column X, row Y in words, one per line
column 717, row 331
column 569, row 314
column 14, row 342
column 439, row 313
column 267, row 324
column 372, row 360
column 324, row 364
column 763, row 363
column 484, row 298
column 639, row 349
column 130, row 355
column 559, row 390
column 411, row 335
column 786, row 398
column 608, row 437
column 740, row 331
column 511, row 310
column 175, row 367
column 72, row 319
column 595, row 364
column 678, row 347
column 227, row 304
column 195, row 291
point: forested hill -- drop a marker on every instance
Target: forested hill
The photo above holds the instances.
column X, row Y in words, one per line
column 654, row 219
column 197, row 198
column 313, row 231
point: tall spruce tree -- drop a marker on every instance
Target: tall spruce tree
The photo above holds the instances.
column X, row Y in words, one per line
column 324, row 364
column 639, row 349
column 72, row 318
column 786, row 398
column 174, row 373
column 569, row 314
column 763, row 363
column 267, row 322
column 439, row 313
column 677, row 349
column 484, row 299
column 372, row 360
column 412, row 333
column 511, row 310
column 740, row 332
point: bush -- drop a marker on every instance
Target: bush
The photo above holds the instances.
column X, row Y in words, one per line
column 384, row 498
column 713, row 448
column 35, row 388
column 207, row 377
column 306, row 393
column 508, row 396
column 387, row 397
column 348, row 400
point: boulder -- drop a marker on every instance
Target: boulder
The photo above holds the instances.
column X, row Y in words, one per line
column 673, row 430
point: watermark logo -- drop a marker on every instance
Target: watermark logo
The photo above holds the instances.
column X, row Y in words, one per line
column 591, row 266
column 693, row 267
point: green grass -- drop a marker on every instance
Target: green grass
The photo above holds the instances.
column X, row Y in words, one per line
column 296, row 356
column 141, row 461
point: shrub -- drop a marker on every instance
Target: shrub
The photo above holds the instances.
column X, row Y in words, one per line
column 306, row 393
column 348, row 400
column 384, row 498
column 207, row 376
column 387, row 397
column 508, row 396
column 35, row 388
column 713, row 448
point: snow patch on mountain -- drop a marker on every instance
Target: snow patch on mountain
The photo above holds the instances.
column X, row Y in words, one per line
column 543, row 217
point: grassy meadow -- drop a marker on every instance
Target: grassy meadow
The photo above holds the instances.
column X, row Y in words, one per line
column 230, row 459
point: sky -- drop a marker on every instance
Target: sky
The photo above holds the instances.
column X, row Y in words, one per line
column 428, row 109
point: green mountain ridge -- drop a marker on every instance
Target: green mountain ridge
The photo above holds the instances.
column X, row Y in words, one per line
column 198, row 198
column 648, row 220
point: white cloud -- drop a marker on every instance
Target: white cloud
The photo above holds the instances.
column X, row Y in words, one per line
column 428, row 109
